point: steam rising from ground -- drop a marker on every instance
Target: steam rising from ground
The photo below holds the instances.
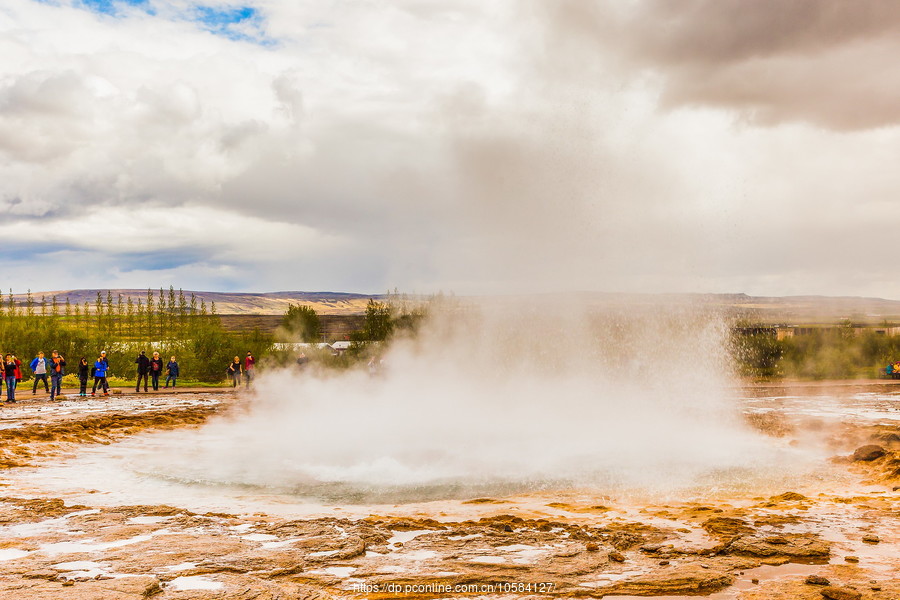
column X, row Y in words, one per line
column 496, row 398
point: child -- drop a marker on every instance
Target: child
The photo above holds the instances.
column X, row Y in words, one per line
column 172, row 371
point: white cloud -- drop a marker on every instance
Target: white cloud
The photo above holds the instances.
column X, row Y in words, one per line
column 455, row 144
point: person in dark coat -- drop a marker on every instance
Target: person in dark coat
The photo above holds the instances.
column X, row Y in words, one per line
column 143, row 370
column 234, row 370
column 9, row 377
column 83, row 373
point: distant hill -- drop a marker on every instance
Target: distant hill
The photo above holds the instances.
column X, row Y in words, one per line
column 767, row 309
column 228, row 303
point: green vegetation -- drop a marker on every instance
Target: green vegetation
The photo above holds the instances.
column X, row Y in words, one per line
column 301, row 323
column 841, row 352
column 167, row 322
column 176, row 325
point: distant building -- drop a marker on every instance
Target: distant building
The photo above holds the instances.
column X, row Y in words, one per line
column 300, row 345
column 341, row 346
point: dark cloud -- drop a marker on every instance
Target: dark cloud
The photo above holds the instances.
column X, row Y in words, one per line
column 827, row 62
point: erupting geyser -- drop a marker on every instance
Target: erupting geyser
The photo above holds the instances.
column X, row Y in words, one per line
column 493, row 398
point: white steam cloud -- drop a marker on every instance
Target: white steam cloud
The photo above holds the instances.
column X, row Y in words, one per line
column 492, row 400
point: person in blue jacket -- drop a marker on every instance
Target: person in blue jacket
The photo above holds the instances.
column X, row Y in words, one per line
column 100, row 368
column 172, row 371
column 40, row 366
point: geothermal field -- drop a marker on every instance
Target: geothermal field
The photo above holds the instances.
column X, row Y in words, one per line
column 547, row 299
column 485, row 458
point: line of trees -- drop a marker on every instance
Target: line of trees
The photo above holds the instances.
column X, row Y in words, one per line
column 177, row 324
column 829, row 353
column 167, row 321
column 168, row 314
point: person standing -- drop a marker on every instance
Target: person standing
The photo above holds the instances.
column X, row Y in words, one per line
column 100, row 370
column 83, row 369
column 156, row 368
column 143, row 369
column 249, row 368
column 57, row 370
column 9, row 377
column 234, row 371
column 18, row 368
column 39, row 368
column 172, row 372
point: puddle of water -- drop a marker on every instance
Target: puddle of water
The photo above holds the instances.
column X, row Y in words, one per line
column 259, row 537
column 12, row 553
column 402, row 537
column 180, row 567
column 147, row 520
column 488, row 560
column 89, row 546
column 45, row 526
column 195, row 582
column 341, row 572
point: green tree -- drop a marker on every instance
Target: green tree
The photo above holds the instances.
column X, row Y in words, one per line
column 378, row 325
column 300, row 322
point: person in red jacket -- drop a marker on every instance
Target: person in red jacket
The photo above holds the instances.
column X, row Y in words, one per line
column 18, row 369
column 249, row 368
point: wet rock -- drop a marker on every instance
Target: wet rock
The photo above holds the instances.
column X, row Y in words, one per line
column 791, row 546
column 871, row 539
column 841, row 593
column 679, row 580
column 788, row 497
column 868, row 453
column 726, row 526
column 41, row 574
column 152, row 590
column 354, row 547
column 623, row 540
column 616, row 556
column 817, row 580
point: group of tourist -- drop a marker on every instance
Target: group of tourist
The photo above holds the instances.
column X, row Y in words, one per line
column 42, row 368
column 152, row 368
column 149, row 370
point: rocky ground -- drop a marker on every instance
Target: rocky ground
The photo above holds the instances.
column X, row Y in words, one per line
column 838, row 543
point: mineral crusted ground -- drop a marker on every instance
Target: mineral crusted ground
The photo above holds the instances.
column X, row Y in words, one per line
column 569, row 543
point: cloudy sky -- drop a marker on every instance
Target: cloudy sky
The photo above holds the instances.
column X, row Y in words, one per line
column 479, row 147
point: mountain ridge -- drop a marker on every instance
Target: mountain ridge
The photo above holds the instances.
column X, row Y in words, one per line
column 794, row 308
